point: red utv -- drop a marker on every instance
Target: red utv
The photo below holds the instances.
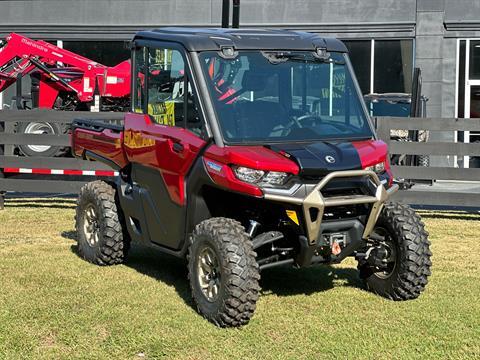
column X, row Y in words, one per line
column 245, row 150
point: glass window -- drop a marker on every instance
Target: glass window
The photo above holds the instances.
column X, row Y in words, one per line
column 475, row 60
column 360, row 55
column 393, row 67
column 284, row 96
column 109, row 53
column 139, row 85
column 167, row 97
column 165, row 83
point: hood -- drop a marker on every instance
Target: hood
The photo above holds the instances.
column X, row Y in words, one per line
column 323, row 157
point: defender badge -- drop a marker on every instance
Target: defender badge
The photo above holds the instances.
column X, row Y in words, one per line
column 329, row 159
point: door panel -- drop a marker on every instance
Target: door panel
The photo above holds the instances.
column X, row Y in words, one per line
column 162, row 157
column 170, row 150
column 159, row 145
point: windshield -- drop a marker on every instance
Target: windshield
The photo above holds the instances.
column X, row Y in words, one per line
column 272, row 97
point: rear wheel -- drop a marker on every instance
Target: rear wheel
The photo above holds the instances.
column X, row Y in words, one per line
column 42, row 128
column 398, row 262
column 223, row 272
column 101, row 234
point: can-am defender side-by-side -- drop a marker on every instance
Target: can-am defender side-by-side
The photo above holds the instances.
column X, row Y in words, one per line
column 245, row 150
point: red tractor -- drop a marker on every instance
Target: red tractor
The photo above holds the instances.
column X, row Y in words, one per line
column 61, row 80
column 244, row 150
column 66, row 81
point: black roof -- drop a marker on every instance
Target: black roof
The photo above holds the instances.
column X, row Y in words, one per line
column 203, row 39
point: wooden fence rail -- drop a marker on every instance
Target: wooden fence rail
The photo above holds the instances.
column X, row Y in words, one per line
column 446, row 196
column 43, row 183
column 449, row 194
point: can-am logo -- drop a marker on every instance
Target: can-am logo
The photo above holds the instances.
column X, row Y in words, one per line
column 329, row 159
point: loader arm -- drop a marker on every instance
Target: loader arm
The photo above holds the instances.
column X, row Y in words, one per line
column 20, row 55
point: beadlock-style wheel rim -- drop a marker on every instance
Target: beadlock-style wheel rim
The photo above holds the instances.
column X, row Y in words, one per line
column 384, row 239
column 208, row 270
column 91, row 227
column 39, row 128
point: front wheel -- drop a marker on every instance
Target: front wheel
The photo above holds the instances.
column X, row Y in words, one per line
column 398, row 263
column 223, row 272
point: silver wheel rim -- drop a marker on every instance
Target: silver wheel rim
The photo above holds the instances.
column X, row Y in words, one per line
column 39, row 128
column 91, row 228
column 209, row 276
column 383, row 238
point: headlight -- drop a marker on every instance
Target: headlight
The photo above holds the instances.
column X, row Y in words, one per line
column 260, row 177
column 248, row 175
column 378, row 168
column 274, row 178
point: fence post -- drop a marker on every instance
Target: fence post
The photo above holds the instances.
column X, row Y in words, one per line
column 383, row 129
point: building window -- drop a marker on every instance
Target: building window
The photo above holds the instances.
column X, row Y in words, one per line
column 393, row 66
column 390, row 60
column 360, row 55
column 475, row 60
column 109, row 53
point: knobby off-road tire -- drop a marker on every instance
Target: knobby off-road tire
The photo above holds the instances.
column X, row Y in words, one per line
column 423, row 160
column 223, row 272
column 402, row 227
column 101, row 233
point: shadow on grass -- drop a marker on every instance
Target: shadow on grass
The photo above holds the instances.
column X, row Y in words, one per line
column 451, row 216
column 165, row 268
column 286, row 281
column 151, row 262
column 71, row 235
column 283, row 281
column 39, row 205
column 16, row 200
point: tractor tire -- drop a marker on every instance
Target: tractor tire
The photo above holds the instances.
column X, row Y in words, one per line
column 405, row 256
column 223, row 272
column 101, row 232
column 423, row 160
column 42, row 128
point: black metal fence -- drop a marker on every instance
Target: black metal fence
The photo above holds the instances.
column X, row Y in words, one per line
column 450, row 188
column 9, row 138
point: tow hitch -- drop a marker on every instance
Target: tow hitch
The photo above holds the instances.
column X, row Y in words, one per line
column 337, row 242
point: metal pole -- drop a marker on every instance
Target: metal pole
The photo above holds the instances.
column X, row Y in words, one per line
column 19, row 93
column 225, row 13
column 236, row 14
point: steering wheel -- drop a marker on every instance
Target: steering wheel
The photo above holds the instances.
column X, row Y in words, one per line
column 297, row 122
column 308, row 117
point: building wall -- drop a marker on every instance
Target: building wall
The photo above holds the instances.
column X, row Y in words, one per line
column 120, row 18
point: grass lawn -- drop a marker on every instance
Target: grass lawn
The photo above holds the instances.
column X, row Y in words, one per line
column 55, row 305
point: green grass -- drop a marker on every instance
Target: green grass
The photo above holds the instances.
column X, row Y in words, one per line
column 55, row 305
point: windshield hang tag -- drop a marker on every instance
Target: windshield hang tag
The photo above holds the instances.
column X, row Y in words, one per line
column 322, row 53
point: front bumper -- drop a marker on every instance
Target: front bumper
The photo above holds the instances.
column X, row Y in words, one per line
column 315, row 200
